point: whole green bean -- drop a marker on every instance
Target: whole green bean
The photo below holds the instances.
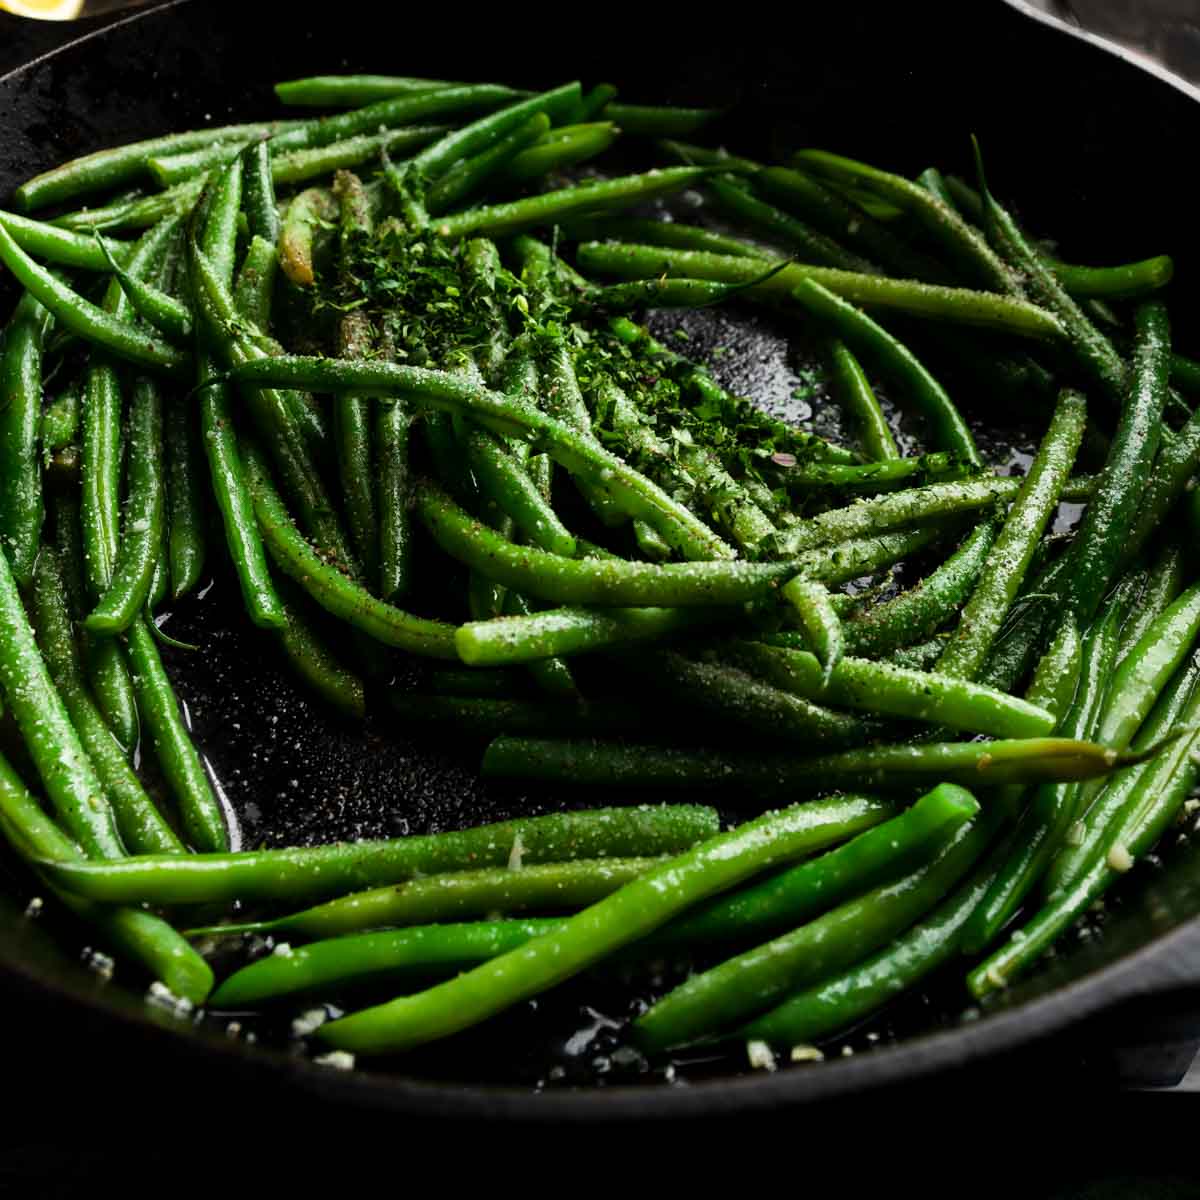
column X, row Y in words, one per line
column 624, row 191
column 318, row 872
column 393, row 423
column 60, row 420
column 510, row 641
column 929, row 301
column 856, row 397
column 469, row 174
column 873, row 687
column 763, row 776
column 1164, row 582
column 306, row 211
column 560, row 149
column 455, row 896
column 1002, row 574
column 659, row 120
column 258, row 192
column 1101, row 539
column 200, row 809
column 637, row 909
column 22, row 510
column 352, row 91
column 109, row 168
column 819, row 619
column 141, row 212
column 185, row 498
column 171, row 317
column 63, row 247
column 138, row 552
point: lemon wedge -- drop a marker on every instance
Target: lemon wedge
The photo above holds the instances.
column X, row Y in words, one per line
column 44, row 10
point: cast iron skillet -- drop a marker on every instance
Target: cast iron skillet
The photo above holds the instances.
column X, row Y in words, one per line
column 1086, row 144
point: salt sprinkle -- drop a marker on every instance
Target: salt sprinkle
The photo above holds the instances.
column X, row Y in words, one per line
column 340, row 1060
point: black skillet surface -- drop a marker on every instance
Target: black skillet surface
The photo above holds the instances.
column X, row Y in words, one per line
column 1087, row 146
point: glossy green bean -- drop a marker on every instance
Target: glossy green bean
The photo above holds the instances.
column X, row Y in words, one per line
column 1000, row 580
column 765, row 776
column 306, row 211
column 318, row 872
column 109, row 168
column 171, row 317
column 855, row 395
column 625, row 191
column 186, row 541
column 872, row 687
column 352, row 91
column 659, row 120
column 258, row 192
column 22, row 509
column 561, row 149
column 60, row 420
column 142, row 532
column 63, row 247
column 471, row 173
column 958, row 306
column 140, row 213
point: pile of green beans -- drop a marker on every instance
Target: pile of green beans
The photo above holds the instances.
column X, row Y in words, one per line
column 373, row 368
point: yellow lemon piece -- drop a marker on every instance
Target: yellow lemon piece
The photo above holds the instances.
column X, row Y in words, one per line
column 44, row 10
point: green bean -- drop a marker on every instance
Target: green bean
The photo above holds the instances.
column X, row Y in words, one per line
column 306, row 211
column 83, row 318
column 1056, row 677
column 846, row 997
column 327, row 585
column 1049, row 811
column 63, row 247
column 60, row 420
column 393, row 423
column 1097, row 814
column 1153, row 804
column 926, row 300
column 143, row 937
column 764, row 776
column 469, row 174
column 624, row 191
column 258, row 192
column 71, row 784
column 1163, row 584
column 595, row 99
column 1173, row 468
column 1002, row 574
column 456, row 896
column 637, row 909
column 316, row 666
column 821, row 624
column 506, row 415
column 1104, row 531
column 650, row 232
column 253, row 290
column 740, row 987
column 918, row 657
column 227, row 471
column 736, row 198
column 855, row 395
column 897, row 362
column 318, row 872
column 171, row 317
column 938, row 220
column 553, row 676
column 871, row 687
column 141, row 827
column 921, row 611
column 21, row 507
column 588, row 581
column 139, row 213
column 738, row 699
column 185, row 501
column 874, row 478
column 511, row 641
column 133, row 567
column 655, row 120
column 895, row 510
column 108, row 168
column 353, row 91
column 560, row 149
column 199, row 808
